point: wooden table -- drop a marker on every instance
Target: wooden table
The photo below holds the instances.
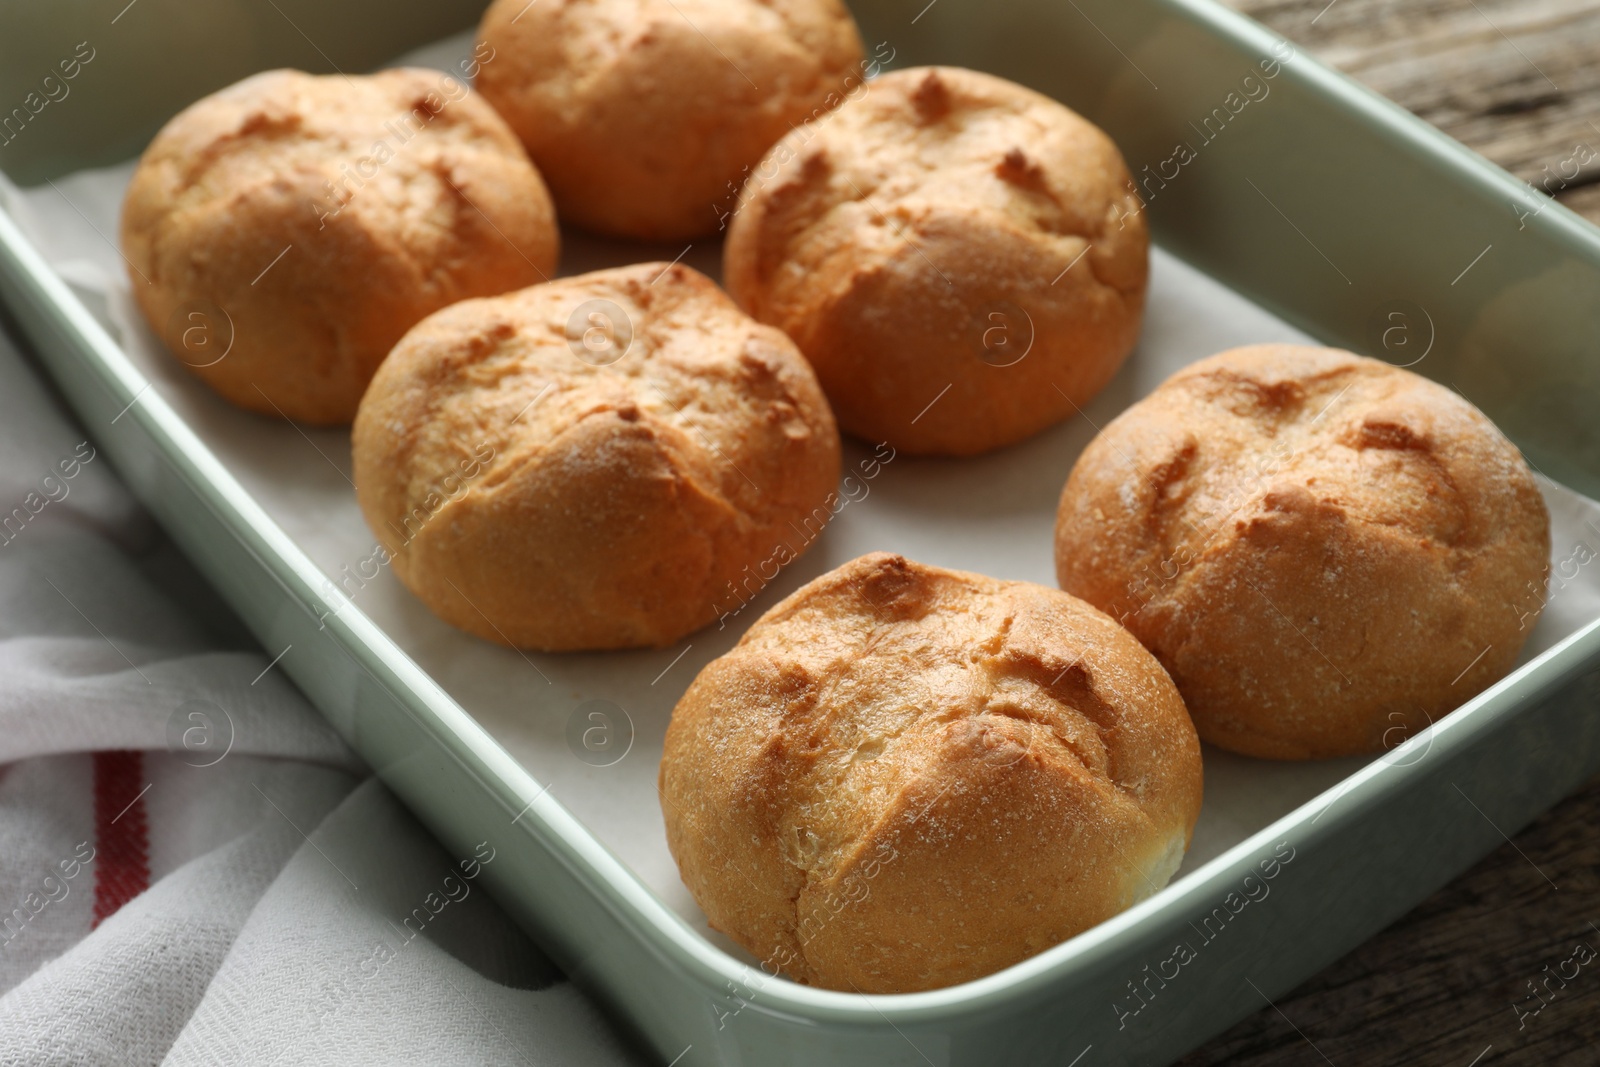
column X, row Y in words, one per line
column 1473, row 976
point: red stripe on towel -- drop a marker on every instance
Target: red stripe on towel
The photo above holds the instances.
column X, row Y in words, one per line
column 121, row 831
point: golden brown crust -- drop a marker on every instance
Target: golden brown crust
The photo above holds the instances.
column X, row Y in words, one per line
column 1326, row 552
column 905, row 777
column 644, row 114
column 540, row 499
column 946, row 228
column 324, row 216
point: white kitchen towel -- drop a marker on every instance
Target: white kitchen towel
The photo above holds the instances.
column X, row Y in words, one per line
column 193, row 867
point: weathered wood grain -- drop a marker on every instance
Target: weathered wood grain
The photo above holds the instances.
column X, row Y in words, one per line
column 1517, row 80
column 1449, row 985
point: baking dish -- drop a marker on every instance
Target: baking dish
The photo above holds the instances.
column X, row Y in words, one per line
column 1287, row 182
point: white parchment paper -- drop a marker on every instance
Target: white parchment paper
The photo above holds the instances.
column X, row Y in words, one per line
column 994, row 514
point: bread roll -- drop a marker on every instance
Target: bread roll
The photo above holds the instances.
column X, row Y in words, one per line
column 283, row 233
column 1326, row 552
column 961, row 259
column 644, row 115
column 905, row 777
column 605, row 461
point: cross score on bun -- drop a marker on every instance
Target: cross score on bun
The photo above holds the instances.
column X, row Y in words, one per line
column 282, row 234
column 962, row 260
column 644, row 115
column 591, row 463
column 1326, row 552
column 905, row 777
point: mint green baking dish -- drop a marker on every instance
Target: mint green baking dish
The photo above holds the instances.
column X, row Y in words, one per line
column 1282, row 179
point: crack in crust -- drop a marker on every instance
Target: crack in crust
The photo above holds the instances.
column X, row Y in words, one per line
column 883, row 237
column 613, row 504
column 894, row 709
column 1307, row 539
column 387, row 196
column 645, row 115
